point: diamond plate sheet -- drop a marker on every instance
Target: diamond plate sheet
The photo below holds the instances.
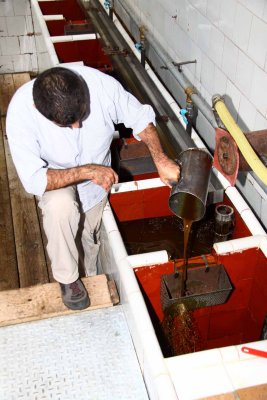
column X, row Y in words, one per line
column 85, row 356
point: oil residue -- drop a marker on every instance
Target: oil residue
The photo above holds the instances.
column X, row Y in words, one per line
column 180, row 331
column 167, row 233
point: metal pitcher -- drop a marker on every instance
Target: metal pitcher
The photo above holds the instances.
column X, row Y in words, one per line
column 188, row 197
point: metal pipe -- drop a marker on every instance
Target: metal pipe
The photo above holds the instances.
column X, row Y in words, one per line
column 142, row 31
column 191, row 110
column 200, row 103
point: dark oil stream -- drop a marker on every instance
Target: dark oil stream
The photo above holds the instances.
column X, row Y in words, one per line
column 187, row 229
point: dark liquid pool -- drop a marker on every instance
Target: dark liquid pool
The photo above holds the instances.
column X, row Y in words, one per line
column 167, row 233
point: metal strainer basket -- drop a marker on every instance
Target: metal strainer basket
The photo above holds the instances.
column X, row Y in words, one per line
column 204, row 287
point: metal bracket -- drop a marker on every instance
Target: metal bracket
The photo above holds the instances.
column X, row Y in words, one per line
column 179, row 65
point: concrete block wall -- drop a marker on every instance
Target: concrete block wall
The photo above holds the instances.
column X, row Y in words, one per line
column 17, row 40
column 229, row 41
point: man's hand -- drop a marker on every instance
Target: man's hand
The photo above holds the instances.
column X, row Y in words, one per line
column 168, row 170
column 99, row 174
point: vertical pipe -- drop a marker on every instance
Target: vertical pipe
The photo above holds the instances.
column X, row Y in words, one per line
column 142, row 30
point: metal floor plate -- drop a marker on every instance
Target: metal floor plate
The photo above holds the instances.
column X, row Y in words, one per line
column 85, row 356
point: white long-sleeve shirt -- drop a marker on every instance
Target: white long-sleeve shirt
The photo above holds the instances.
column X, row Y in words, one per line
column 37, row 144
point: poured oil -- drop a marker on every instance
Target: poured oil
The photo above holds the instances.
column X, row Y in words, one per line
column 187, row 230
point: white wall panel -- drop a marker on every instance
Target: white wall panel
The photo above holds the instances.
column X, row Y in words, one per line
column 229, row 41
column 17, row 44
column 227, row 17
column 242, row 26
column 257, row 46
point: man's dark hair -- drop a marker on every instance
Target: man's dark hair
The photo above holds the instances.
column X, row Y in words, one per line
column 62, row 96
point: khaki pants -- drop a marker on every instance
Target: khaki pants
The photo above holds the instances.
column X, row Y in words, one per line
column 73, row 237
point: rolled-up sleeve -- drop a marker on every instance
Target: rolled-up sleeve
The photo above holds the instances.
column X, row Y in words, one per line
column 128, row 110
column 24, row 147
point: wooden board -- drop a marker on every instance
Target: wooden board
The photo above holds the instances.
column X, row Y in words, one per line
column 8, row 261
column 29, row 246
column 44, row 301
column 7, row 91
column 31, row 261
column 250, row 393
column 20, row 79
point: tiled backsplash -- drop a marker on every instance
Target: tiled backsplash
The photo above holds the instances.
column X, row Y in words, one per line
column 17, row 42
column 22, row 45
column 229, row 41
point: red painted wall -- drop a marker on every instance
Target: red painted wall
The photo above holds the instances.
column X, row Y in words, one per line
column 240, row 319
column 88, row 51
column 68, row 8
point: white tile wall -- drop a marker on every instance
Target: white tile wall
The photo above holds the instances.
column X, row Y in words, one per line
column 247, row 114
column 6, row 64
column 264, row 14
column 27, row 44
column 227, row 17
column 258, row 91
column 256, row 6
column 203, row 33
column 213, row 11
column 220, row 81
column 207, row 73
column 22, row 7
column 245, row 70
column 230, row 57
column 229, row 40
column 232, row 98
column 16, row 26
column 22, row 62
column 257, row 44
column 201, row 5
column 3, row 27
column 242, row 23
column 9, row 46
column 216, row 45
column 17, row 45
column 7, row 8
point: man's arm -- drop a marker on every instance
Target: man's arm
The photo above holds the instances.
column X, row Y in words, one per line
column 99, row 174
column 169, row 171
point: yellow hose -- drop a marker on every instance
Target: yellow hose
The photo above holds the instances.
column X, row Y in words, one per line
column 244, row 146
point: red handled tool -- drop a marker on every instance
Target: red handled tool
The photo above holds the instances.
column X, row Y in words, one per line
column 254, row 352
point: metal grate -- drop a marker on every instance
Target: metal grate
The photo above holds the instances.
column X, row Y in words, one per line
column 85, row 356
column 205, row 287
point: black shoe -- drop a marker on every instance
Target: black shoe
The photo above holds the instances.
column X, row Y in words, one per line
column 74, row 295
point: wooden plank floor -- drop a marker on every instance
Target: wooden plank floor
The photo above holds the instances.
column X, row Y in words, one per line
column 23, row 260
